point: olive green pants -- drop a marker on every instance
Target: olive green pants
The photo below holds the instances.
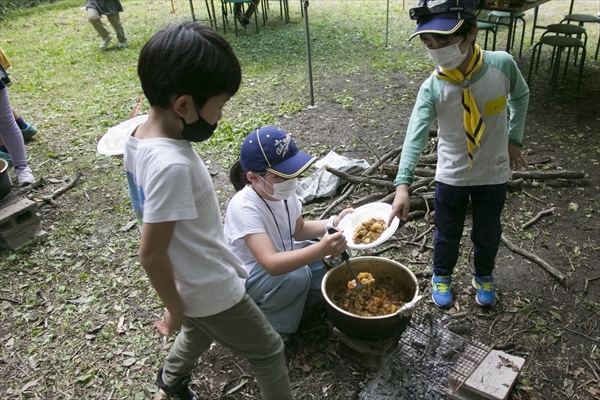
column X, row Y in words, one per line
column 244, row 329
column 94, row 17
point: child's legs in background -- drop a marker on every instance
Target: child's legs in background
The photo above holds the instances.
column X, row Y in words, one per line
column 252, row 8
column 244, row 329
column 450, row 204
column 115, row 21
column 94, row 17
column 488, row 202
column 10, row 134
column 281, row 297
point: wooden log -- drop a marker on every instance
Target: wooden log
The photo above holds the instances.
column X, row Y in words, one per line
column 422, row 202
column 553, row 174
column 370, row 198
column 392, row 170
column 421, row 183
column 359, row 179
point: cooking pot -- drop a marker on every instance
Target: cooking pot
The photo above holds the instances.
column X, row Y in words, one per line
column 371, row 328
column 5, row 183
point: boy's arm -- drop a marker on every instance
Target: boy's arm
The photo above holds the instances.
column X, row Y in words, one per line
column 154, row 256
column 517, row 102
column 417, row 133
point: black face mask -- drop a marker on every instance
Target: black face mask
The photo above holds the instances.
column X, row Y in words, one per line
column 197, row 131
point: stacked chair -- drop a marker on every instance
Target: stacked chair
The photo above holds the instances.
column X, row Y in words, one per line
column 582, row 19
column 502, row 18
column 559, row 38
column 284, row 9
column 488, row 27
column 565, row 36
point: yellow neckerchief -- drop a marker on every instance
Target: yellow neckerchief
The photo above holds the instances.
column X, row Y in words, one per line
column 472, row 120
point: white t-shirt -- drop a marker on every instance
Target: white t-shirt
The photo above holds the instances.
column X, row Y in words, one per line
column 169, row 182
column 248, row 213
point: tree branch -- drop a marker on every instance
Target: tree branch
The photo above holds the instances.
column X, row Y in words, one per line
column 551, row 270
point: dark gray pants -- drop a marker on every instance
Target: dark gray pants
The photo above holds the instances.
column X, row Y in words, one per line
column 450, row 210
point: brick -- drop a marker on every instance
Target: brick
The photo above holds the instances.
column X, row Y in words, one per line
column 19, row 224
column 493, row 378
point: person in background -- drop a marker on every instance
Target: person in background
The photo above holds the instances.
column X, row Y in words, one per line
column 111, row 8
column 480, row 100
column 12, row 138
column 265, row 229
column 27, row 130
column 188, row 72
column 244, row 18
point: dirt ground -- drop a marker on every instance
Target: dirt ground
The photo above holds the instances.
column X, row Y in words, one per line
column 553, row 326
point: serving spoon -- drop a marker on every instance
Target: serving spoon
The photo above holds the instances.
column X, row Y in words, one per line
column 346, row 257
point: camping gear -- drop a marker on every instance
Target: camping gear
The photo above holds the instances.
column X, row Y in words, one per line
column 379, row 327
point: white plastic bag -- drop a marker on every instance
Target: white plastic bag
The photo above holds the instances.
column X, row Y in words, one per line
column 324, row 184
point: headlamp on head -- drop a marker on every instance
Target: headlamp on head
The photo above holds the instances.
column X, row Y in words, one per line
column 429, row 7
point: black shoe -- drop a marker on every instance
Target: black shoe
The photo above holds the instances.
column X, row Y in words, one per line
column 242, row 19
column 179, row 390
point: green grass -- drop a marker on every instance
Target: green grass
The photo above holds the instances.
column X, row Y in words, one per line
column 86, row 274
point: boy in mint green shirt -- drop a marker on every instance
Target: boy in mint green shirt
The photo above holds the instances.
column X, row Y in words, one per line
column 480, row 100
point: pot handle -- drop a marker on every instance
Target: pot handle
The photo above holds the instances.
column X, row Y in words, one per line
column 407, row 309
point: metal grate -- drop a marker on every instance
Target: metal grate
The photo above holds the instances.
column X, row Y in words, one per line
column 10, row 198
column 429, row 361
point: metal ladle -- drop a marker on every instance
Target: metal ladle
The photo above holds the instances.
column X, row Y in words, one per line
column 346, row 257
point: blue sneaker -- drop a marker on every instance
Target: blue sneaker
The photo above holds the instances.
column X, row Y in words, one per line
column 486, row 296
column 28, row 132
column 441, row 290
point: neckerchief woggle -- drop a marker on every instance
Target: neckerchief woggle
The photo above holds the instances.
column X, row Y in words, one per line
column 472, row 119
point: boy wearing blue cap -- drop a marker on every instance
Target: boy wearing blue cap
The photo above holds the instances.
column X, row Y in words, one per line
column 480, row 100
column 265, row 229
column 188, row 72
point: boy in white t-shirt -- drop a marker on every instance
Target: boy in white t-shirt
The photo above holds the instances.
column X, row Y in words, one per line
column 188, row 72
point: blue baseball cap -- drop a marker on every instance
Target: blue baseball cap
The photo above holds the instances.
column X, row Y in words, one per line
column 272, row 149
column 442, row 17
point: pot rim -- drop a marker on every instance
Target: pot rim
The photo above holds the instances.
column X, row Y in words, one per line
column 330, row 272
column 5, row 167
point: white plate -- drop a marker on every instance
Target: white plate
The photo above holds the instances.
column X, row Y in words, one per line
column 112, row 143
column 361, row 214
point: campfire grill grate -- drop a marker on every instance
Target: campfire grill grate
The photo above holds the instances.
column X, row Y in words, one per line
column 429, row 360
column 10, row 198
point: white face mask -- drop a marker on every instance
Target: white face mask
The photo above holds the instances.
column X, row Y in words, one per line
column 282, row 190
column 448, row 57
